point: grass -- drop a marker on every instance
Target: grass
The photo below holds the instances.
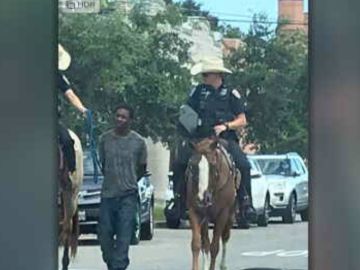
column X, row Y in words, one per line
column 159, row 212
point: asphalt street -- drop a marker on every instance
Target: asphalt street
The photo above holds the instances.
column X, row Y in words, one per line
column 276, row 247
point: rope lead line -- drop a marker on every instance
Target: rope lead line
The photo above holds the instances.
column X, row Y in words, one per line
column 91, row 142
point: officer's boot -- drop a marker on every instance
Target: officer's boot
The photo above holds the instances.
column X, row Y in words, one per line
column 67, row 146
column 242, row 220
column 179, row 187
column 250, row 212
column 70, row 157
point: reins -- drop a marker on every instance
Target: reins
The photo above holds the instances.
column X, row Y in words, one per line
column 91, row 143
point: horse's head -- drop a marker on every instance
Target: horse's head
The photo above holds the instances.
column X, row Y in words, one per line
column 206, row 158
column 206, row 147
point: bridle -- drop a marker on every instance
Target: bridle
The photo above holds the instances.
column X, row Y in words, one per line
column 217, row 164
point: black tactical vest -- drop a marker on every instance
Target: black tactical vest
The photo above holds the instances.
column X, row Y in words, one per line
column 215, row 108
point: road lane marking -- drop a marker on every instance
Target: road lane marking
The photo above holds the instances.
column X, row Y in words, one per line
column 261, row 253
column 278, row 253
column 293, row 253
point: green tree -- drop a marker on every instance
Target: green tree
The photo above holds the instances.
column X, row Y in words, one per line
column 230, row 31
column 271, row 71
column 135, row 62
column 192, row 8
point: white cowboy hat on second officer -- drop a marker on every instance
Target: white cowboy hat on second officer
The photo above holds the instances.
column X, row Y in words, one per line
column 209, row 65
column 64, row 58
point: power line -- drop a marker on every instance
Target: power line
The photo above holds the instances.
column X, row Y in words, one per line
column 200, row 13
column 232, row 14
column 251, row 17
column 241, row 16
column 258, row 21
column 235, row 15
column 264, row 22
column 217, row 12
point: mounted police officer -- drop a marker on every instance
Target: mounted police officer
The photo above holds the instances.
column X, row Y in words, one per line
column 220, row 111
column 64, row 86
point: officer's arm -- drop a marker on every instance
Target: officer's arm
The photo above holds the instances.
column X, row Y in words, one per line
column 238, row 122
column 65, row 87
column 238, row 108
column 75, row 100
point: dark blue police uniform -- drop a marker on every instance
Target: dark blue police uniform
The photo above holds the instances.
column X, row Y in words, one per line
column 214, row 106
column 218, row 106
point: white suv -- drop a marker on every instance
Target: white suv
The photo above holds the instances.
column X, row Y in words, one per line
column 287, row 177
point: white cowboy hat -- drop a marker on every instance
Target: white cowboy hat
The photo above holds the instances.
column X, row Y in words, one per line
column 64, row 58
column 209, row 64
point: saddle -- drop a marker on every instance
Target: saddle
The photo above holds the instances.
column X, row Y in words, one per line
column 194, row 161
column 71, row 181
column 235, row 171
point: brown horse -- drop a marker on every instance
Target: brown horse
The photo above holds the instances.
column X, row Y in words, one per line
column 211, row 190
column 69, row 185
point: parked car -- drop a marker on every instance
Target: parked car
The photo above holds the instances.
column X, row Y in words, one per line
column 287, row 176
column 89, row 202
column 260, row 195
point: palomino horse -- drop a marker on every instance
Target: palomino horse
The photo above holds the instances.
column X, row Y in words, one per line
column 69, row 186
column 211, row 191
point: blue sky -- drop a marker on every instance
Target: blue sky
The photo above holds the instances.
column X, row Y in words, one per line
column 243, row 9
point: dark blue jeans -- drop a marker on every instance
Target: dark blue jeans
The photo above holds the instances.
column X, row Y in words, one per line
column 117, row 218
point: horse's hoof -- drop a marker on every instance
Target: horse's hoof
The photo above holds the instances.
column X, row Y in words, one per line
column 223, row 267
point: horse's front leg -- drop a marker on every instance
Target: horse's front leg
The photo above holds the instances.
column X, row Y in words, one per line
column 218, row 230
column 205, row 246
column 225, row 238
column 196, row 238
column 65, row 258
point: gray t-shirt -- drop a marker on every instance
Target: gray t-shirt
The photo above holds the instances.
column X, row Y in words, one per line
column 120, row 157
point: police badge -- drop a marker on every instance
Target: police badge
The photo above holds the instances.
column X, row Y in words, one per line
column 236, row 93
column 223, row 92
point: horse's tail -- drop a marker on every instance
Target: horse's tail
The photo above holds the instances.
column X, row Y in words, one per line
column 74, row 234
